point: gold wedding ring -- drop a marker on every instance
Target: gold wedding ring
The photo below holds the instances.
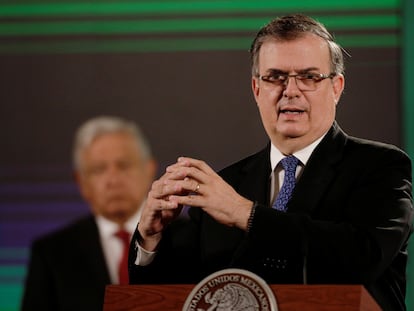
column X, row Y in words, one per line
column 197, row 188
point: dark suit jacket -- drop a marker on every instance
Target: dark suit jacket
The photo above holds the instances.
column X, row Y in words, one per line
column 67, row 270
column 348, row 222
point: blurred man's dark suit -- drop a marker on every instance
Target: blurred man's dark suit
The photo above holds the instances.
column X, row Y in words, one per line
column 67, row 270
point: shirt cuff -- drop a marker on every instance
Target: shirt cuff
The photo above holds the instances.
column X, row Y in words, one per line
column 144, row 257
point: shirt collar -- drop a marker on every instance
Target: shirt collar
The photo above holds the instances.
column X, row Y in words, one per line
column 303, row 155
column 108, row 228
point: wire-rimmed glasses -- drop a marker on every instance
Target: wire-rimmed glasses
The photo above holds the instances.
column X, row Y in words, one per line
column 304, row 81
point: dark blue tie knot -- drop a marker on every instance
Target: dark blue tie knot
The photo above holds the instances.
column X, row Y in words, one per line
column 290, row 163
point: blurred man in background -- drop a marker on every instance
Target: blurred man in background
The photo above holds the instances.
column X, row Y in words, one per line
column 70, row 268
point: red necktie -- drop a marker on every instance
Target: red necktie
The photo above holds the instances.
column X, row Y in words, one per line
column 123, row 264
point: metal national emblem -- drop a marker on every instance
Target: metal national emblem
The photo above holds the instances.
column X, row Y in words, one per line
column 231, row 290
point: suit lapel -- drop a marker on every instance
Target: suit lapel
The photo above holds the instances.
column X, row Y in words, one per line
column 319, row 172
column 255, row 182
column 317, row 175
column 94, row 257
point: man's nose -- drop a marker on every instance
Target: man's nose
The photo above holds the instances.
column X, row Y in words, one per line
column 113, row 176
column 291, row 88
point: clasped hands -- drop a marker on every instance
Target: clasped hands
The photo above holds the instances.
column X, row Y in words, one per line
column 190, row 182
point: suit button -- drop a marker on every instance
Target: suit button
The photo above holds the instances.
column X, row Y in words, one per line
column 281, row 264
column 275, row 263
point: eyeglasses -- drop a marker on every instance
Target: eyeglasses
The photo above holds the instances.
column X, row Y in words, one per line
column 304, row 81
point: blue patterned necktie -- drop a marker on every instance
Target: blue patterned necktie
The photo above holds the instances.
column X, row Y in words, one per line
column 289, row 164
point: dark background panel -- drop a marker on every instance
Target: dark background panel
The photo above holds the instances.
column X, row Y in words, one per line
column 197, row 104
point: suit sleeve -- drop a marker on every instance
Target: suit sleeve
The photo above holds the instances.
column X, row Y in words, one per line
column 39, row 288
column 176, row 259
column 359, row 229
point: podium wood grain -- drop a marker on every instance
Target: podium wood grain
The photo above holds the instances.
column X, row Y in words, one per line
column 289, row 297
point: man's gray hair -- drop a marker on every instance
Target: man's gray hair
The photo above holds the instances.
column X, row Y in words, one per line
column 95, row 127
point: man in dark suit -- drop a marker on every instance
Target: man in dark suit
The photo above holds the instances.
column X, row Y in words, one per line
column 347, row 219
column 70, row 268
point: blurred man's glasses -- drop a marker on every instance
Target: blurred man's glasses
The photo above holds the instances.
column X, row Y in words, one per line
column 304, row 81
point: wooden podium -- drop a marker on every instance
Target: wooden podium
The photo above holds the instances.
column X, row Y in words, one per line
column 289, row 297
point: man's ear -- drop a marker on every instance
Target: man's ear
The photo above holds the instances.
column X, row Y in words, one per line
column 81, row 186
column 338, row 85
column 255, row 87
column 152, row 166
column 76, row 177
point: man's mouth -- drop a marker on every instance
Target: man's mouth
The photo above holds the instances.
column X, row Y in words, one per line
column 291, row 111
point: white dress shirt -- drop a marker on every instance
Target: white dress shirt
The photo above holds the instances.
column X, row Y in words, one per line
column 276, row 156
column 112, row 245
